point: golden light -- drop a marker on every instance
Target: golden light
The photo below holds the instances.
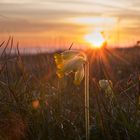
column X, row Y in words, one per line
column 96, row 39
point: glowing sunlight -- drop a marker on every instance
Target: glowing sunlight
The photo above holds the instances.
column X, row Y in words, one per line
column 96, row 39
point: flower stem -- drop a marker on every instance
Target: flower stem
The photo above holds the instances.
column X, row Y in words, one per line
column 87, row 100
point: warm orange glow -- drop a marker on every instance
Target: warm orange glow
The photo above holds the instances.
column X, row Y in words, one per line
column 35, row 104
column 96, row 39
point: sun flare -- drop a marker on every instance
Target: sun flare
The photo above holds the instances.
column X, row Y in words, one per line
column 95, row 39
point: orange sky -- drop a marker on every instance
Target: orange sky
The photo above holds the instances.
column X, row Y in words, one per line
column 60, row 22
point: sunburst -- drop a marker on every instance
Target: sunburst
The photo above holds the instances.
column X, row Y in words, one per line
column 95, row 39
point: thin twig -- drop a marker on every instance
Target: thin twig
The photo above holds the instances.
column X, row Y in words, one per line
column 70, row 46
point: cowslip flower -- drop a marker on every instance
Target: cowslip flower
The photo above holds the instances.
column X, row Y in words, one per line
column 106, row 85
column 75, row 61
column 71, row 61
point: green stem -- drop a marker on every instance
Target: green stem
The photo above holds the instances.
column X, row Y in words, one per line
column 87, row 100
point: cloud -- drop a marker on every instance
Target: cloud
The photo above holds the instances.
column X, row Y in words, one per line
column 49, row 10
column 60, row 9
column 36, row 16
column 25, row 26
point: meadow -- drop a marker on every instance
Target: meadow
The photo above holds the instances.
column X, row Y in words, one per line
column 36, row 105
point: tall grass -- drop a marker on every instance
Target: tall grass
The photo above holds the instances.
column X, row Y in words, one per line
column 35, row 105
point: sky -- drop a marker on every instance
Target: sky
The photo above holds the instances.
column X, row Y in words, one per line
column 59, row 23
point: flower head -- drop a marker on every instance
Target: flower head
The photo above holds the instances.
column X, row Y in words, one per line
column 71, row 61
column 107, row 85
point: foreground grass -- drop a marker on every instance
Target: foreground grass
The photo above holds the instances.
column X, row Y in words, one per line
column 36, row 105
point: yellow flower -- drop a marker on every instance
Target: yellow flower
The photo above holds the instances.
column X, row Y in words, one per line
column 71, row 61
column 75, row 61
column 106, row 85
column 79, row 75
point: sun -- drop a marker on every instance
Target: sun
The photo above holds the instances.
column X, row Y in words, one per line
column 96, row 39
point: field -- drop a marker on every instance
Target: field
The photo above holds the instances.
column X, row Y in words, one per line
column 36, row 105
